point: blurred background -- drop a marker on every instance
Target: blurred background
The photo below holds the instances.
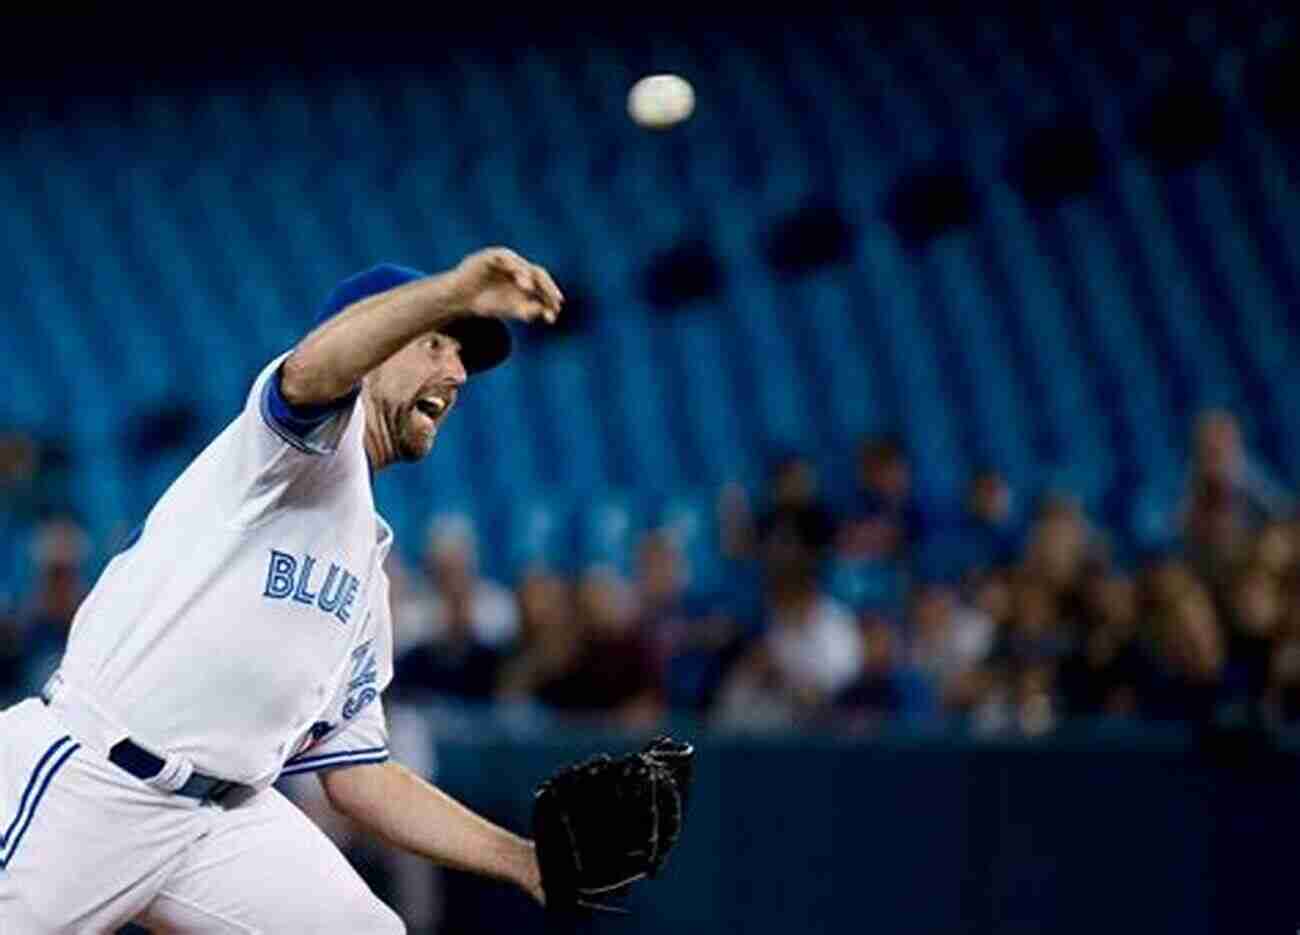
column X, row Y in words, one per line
column 921, row 438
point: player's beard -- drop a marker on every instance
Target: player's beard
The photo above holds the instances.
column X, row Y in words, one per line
column 410, row 440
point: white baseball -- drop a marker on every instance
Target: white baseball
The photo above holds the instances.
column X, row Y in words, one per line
column 660, row 101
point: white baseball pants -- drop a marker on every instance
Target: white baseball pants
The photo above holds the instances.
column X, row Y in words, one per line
column 86, row 848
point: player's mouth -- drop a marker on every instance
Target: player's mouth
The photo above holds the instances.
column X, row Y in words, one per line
column 432, row 407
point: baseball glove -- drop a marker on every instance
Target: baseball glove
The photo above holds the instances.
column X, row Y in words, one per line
column 602, row 824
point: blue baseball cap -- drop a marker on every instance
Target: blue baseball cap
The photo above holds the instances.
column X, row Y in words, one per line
column 484, row 342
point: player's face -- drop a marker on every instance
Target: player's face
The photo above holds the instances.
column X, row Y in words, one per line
column 416, row 389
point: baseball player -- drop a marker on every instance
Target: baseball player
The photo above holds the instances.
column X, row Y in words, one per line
column 243, row 634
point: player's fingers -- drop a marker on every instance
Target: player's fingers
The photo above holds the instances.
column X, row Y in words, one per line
column 548, row 288
column 502, row 255
column 531, row 310
column 497, row 258
column 521, row 276
column 504, row 261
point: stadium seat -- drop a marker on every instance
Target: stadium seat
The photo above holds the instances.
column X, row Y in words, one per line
column 1066, row 333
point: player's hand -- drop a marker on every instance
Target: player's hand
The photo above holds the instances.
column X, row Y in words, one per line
column 499, row 283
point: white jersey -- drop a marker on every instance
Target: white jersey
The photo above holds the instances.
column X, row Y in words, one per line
column 247, row 627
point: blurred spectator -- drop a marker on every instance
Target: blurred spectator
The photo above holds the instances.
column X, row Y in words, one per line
column 409, row 602
column 811, row 650
column 603, row 665
column 1059, row 547
column 990, row 531
column 1254, row 609
column 453, row 628
column 1228, row 494
column 1166, row 581
column 987, row 597
column 887, row 687
column 18, row 463
column 59, row 552
column 457, row 664
column 690, row 643
column 453, row 587
column 1283, row 691
column 978, row 620
column 1022, row 666
column 1187, row 679
column 661, row 589
column 34, row 477
column 1107, row 667
column 1042, row 625
column 1035, row 632
column 1277, row 549
column 735, row 522
column 1036, row 712
column 885, row 522
column 549, row 637
column 948, row 642
column 793, row 531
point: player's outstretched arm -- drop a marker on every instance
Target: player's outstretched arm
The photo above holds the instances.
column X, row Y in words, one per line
column 329, row 362
column 393, row 802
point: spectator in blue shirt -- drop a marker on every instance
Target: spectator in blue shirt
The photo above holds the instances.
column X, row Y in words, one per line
column 886, row 521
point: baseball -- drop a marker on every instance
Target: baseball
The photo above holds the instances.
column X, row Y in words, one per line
column 660, row 101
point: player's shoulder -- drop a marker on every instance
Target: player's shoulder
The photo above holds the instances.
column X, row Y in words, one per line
column 313, row 430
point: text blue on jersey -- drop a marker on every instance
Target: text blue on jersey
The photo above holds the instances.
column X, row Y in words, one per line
column 287, row 577
column 365, row 672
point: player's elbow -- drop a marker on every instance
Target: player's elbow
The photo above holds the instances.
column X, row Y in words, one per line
column 305, row 381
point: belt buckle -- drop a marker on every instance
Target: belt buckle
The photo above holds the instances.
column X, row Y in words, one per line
column 219, row 790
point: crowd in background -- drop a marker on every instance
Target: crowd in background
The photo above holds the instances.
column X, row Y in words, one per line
column 1038, row 621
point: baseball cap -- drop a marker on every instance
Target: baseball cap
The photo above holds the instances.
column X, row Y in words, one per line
column 484, row 342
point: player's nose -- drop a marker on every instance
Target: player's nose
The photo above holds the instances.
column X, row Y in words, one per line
column 457, row 373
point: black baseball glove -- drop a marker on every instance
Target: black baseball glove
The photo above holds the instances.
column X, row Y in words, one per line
column 602, row 824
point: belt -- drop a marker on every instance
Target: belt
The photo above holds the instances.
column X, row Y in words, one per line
column 144, row 766
column 129, row 756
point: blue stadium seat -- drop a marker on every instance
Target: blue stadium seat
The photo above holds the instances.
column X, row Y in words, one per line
column 607, row 530
column 170, row 250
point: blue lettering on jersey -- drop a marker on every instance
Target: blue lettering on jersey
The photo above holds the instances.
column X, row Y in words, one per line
column 349, row 594
column 364, row 669
column 327, row 602
column 352, row 707
column 280, row 574
column 365, row 672
column 287, row 575
column 302, row 595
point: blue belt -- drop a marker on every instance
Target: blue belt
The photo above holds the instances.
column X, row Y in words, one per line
column 144, row 766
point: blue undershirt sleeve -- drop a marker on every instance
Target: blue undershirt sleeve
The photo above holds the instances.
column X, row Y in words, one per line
column 299, row 425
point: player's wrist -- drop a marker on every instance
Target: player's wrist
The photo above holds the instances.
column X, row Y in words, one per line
column 528, row 873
